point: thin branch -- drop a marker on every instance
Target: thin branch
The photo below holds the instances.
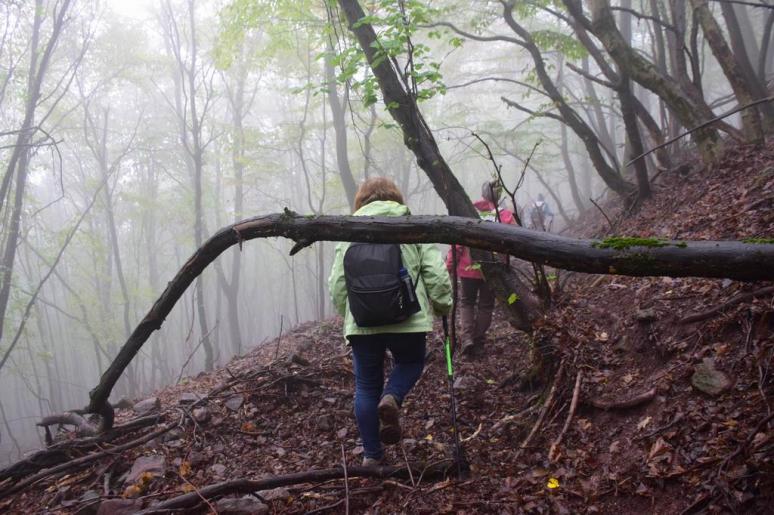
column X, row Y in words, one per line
column 612, row 227
column 511, row 103
column 701, row 126
column 499, row 79
column 698, row 317
column 543, row 411
column 469, row 35
column 573, row 407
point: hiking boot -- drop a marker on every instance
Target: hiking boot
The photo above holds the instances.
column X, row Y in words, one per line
column 389, row 420
column 374, row 462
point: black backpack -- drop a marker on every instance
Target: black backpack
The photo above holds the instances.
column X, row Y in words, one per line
column 379, row 289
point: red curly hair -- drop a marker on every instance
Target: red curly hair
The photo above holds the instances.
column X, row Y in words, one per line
column 377, row 188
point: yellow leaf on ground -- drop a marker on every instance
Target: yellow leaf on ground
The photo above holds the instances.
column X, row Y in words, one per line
column 552, row 483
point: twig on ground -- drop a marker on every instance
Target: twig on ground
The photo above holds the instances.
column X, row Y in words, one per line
column 208, row 503
column 698, row 317
column 625, row 403
column 408, row 465
column 656, row 431
column 543, row 412
column 346, row 480
column 570, row 414
column 279, row 339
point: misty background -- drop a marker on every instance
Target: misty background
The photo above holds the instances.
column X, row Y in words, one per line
column 156, row 123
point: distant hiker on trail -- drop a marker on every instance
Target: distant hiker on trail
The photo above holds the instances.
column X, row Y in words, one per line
column 387, row 294
column 540, row 215
column 474, row 293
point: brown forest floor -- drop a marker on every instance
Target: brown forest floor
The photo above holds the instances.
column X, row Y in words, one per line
column 681, row 452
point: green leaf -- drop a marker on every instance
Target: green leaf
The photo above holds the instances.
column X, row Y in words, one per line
column 512, row 298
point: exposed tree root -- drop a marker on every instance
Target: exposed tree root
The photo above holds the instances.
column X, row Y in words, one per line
column 543, row 411
column 570, row 414
column 84, row 461
column 61, row 452
column 83, row 426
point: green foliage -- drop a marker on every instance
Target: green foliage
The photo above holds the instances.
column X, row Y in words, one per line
column 512, row 298
column 396, row 27
column 564, row 43
column 759, row 241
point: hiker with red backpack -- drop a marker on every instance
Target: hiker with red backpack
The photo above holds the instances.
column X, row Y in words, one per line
column 476, row 299
column 387, row 294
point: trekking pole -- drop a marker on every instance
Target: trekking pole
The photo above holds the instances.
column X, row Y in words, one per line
column 458, row 456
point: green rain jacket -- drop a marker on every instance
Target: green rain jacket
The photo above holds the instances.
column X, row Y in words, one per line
column 423, row 262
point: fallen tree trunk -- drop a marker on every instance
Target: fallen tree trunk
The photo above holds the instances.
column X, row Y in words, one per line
column 729, row 259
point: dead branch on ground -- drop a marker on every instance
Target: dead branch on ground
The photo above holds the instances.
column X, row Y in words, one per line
column 543, row 411
column 248, row 486
column 638, row 399
column 570, row 414
column 704, row 315
column 82, row 462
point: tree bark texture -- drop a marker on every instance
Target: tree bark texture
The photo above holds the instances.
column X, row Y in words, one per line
column 609, row 175
column 735, row 260
column 751, row 120
column 338, row 111
column 691, row 111
column 746, row 52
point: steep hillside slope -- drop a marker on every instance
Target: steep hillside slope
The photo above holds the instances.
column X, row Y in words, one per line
column 642, row 436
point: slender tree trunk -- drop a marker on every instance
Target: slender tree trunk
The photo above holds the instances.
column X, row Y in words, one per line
column 734, row 72
column 340, row 128
column 611, row 176
column 576, row 198
column 691, row 111
column 629, row 115
column 763, row 58
column 601, row 123
column 744, row 59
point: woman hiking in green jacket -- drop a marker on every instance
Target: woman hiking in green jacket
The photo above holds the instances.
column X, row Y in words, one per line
column 377, row 405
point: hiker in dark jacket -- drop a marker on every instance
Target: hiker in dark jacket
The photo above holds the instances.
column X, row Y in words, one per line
column 476, row 299
column 377, row 404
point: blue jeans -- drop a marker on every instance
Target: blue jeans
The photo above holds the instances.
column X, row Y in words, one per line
column 408, row 352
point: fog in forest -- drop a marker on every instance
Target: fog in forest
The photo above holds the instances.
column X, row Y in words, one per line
column 129, row 134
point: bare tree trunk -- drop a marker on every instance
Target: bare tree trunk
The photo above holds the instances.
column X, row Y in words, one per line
column 338, row 110
column 734, row 72
column 690, row 110
column 628, row 112
column 611, row 176
column 190, row 120
column 19, row 161
column 745, row 58
column 763, row 58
